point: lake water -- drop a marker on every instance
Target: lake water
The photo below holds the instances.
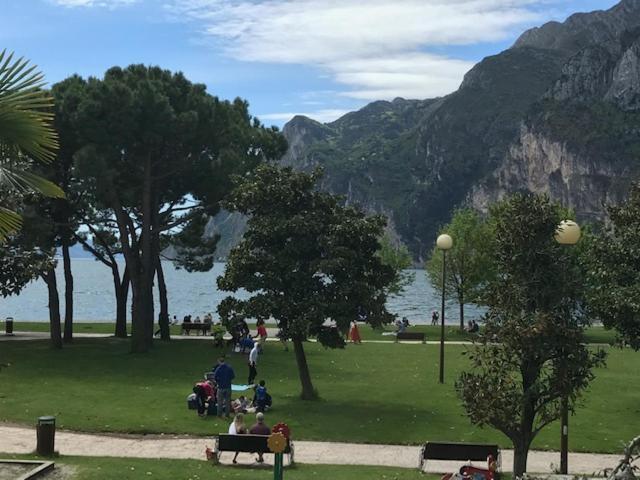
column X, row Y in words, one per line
column 189, row 293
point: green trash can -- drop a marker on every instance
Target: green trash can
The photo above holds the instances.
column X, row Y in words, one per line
column 8, row 326
column 46, row 433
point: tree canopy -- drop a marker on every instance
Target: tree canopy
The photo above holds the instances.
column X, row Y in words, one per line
column 306, row 258
column 612, row 260
column 531, row 353
column 469, row 265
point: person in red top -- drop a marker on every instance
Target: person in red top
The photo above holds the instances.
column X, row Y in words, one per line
column 206, row 394
column 354, row 333
column 262, row 334
column 260, row 428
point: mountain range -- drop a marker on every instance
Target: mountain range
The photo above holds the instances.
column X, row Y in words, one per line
column 558, row 112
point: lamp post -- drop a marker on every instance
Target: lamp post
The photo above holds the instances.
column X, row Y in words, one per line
column 567, row 233
column 444, row 243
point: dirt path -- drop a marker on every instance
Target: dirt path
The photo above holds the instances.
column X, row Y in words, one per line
column 15, row 439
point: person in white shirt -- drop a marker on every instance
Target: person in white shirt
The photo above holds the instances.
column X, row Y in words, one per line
column 253, row 359
column 237, row 427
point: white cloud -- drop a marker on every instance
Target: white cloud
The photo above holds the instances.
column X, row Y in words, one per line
column 323, row 115
column 376, row 47
column 93, row 3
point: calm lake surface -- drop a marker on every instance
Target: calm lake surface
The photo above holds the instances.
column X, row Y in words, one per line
column 189, row 293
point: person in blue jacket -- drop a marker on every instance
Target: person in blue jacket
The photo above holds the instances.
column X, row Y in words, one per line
column 223, row 376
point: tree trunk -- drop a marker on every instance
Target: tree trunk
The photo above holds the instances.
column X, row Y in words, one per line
column 55, row 327
column 520, row 454
column 461, row 303
column 122, row 292
column 68, row 294
column 308, row 392
column 143, row 274
column 163, row 319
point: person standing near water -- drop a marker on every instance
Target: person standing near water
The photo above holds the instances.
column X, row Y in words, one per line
column 434, row 318
column 354, row 333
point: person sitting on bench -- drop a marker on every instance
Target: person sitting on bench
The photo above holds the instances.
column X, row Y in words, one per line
column 237, row 427
column 260, row 428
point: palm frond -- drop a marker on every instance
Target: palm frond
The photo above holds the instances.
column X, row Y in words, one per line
column 24, row 122
column 10, row 222
column 25, row 181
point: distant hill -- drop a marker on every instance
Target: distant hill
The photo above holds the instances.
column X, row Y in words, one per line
column 558, row 112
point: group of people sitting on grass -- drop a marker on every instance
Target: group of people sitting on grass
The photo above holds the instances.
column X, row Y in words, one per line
column 213, row 395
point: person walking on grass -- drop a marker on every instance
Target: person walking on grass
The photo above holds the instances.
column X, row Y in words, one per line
column 262, row 334
column 260, row 428
column 253, row 360
column 237, row 427
column 354, row 333
column 223, row 377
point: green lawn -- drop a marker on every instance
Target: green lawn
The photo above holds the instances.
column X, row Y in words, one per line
column 452, row 333
column 106, row 468
column 370, row 393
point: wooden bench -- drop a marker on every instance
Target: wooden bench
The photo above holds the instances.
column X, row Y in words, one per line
column 246, row 443
column 202, row 327
column 476, row 452
column 420, row 336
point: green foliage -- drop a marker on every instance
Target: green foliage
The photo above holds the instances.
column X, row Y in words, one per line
column 469, row 265
column 304, row 255
column 305, row 258
column 531, row 352
column 399, row 259
column 612, row 260
column 19, row 266
column 25, row 133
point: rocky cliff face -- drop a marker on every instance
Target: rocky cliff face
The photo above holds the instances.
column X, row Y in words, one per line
column 559, row 112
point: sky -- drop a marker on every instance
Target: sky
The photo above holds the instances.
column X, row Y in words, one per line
column 320, row 58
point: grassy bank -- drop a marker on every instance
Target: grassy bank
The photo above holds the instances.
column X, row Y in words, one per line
column 370, row 393
column 106, row 468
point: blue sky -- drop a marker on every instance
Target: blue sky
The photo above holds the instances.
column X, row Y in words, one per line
column 315, row 57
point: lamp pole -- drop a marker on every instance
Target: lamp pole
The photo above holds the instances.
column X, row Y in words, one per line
column 444, row 243
column 567, row 233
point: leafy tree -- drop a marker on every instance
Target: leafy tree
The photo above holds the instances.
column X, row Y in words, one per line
column 158, row 151
column 399, row 259
column 306, row 258
column 532, row 353
column 612, row 260
column 25, row 133
column 469, row 266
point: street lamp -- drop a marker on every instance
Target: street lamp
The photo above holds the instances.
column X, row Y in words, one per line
column 444, row 243
column 567, row 233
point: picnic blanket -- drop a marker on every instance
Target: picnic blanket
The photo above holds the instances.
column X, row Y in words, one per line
column 240, row 388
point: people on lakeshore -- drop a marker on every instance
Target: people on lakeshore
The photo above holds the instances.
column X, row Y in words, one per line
column 354, row 333
column 237, row 427
column 262, row 334
column 261, row 398
column 400, row 326
column 186, row 319
column 253, row 361
column 223, row 376
column 472, row 327
column 405, row 322
column 435, row 317
column 208, row 319
column 174, row 321
column 197, row 320
column 260, row 428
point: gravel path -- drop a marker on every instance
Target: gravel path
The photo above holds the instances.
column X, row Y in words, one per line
column 14, row 439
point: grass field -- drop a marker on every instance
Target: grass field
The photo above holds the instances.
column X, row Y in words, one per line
column 452, row 333
column 105, row 468
column 370, row 393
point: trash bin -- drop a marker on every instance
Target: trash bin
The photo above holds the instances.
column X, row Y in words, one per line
column 8, row 326
column 46, row 433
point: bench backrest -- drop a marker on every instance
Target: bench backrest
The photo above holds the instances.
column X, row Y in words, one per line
column 196, row 326
column 245, row 443
column 459, row 451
